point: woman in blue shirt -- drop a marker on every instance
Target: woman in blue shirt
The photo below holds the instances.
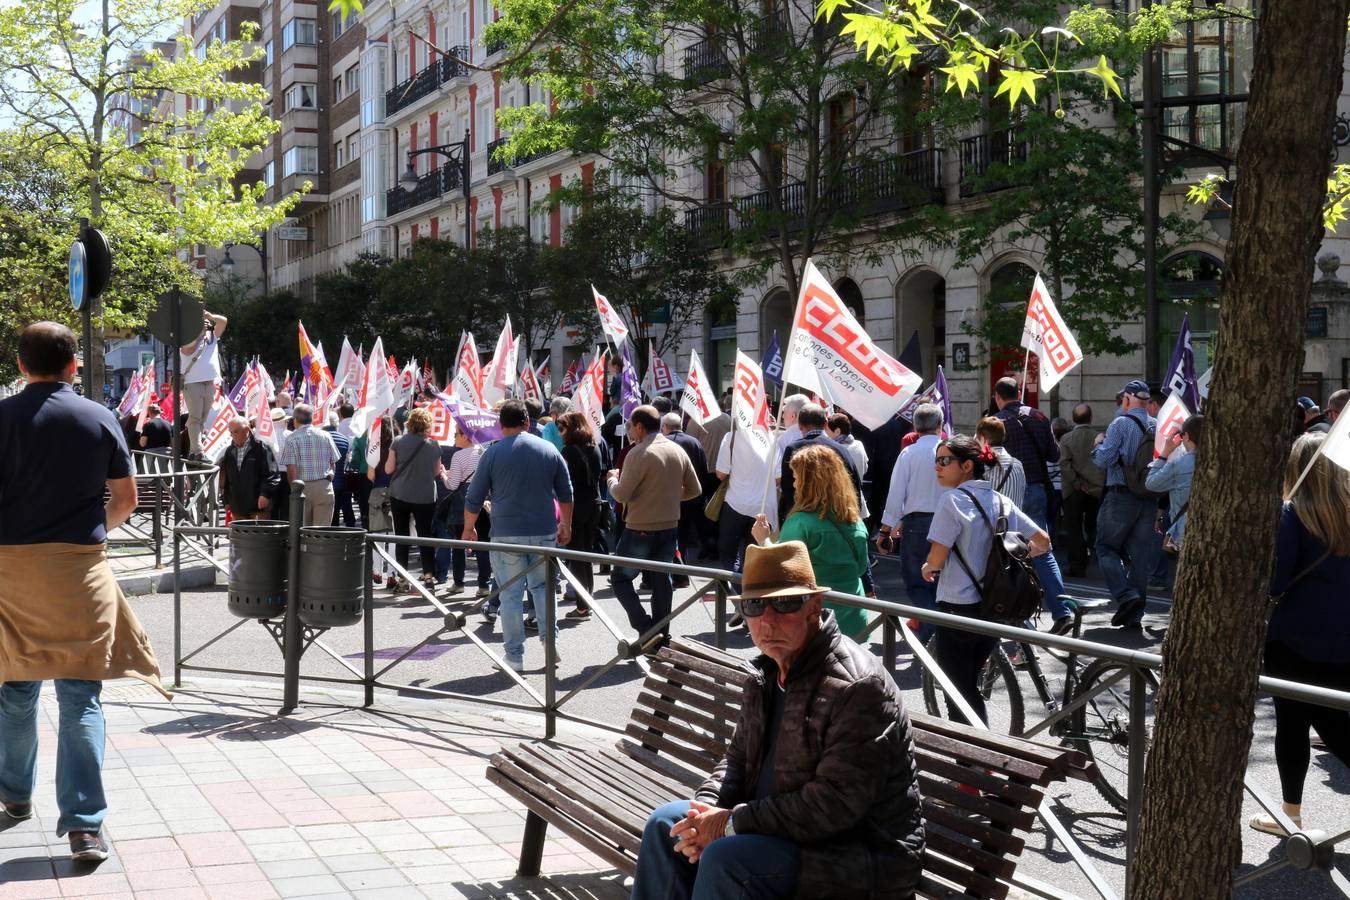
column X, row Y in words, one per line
column 959, row 523
column 1172, row 472
column 1309, row 635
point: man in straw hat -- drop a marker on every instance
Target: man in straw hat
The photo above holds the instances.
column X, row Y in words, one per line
column 818, row 788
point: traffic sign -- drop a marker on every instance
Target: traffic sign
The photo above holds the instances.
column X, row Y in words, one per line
column 77, row 275
column 189, row 325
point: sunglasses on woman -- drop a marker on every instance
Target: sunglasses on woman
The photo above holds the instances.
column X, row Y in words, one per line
column 784, row 606
column 944, row 460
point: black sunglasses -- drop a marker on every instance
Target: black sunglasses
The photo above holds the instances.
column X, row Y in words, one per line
column 786, row 606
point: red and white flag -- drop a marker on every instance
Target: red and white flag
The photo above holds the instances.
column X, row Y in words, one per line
column 590, row 395
column 217, row 438
column 259, row 394
column 467, row 384
column 1171, row 417
column 377, row 393
column 1045, row 334
column 541, row 376
column 750, row 404
column 699, row 399
column 529, row 385
column 661, row 378
column 143, row 401
column 349, row 369
column 569, row 381
column 407, row 383
column 500, row 375
column 610, row 320
column 829, row 354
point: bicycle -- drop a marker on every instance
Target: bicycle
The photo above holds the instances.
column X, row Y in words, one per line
column 1099, row 726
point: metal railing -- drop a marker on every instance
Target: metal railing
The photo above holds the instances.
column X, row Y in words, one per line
column 166, row 499
column 708, row 225
column 427, row 81
column 984, row 151
column 1139, row 669
column 431, row 186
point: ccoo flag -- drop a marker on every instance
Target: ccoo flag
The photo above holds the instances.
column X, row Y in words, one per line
column 699, row 399
column 1045, row 334
column 750, row 405
column 772, row 363
column 610, row 320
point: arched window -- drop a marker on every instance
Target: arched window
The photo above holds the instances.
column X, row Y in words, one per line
column 775, row 315
column 1191, row 284
column 1005, row 306
column 851, row 294
column 921, row 309
column 721, row 360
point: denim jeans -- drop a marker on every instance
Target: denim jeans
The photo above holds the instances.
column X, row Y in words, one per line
column 741, row 867
column 79, row 750
column 914, row 548
column 508, row 566
column 441, row 529
column 1036, row 504
column 1125, row 530
column 653, row 545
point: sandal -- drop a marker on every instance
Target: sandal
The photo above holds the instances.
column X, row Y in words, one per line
column 1267, row 825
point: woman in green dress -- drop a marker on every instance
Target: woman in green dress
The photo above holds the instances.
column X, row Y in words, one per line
column 826, row 518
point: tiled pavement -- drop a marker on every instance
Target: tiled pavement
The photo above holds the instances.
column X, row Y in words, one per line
column 213, row 795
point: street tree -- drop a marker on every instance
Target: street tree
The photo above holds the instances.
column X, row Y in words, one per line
column 150, row 137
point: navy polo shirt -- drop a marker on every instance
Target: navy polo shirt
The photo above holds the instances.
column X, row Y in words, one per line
column 57, row 452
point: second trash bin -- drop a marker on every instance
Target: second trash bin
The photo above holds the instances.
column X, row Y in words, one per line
column 332, row 575
column 258, row 568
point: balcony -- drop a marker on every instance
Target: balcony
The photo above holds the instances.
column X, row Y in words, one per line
column 708, row 225
column 431, row 186
column 707, row 60
column 758, row 209
column 496, row 45
column 984, row 151
column 495, row 165
column 890, row 183
column 410, row 90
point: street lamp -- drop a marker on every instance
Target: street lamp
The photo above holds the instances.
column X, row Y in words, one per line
column 227, row 264
column 456, row 152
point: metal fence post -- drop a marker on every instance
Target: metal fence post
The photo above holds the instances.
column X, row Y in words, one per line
column 550, row 648
column 720, row 616
column 1134, row 779
column 177, row 612
column 888, row 642
column 368, row 602
column 293, row 643
column 157, row 526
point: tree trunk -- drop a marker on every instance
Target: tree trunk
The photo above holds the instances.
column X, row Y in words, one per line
column 1190, row 838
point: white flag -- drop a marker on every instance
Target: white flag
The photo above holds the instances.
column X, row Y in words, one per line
column 590, row 393
column 500, row 374
column 259, row 407
column 750, row 404
column 1171, row 417
column 660, row 378
column 831, row 355
column 529, row 385
column 377, row 392
column 217, row 438
column 1045, row 334
column 610, row 320
column 1336, row 445
column 467, row 384
column 699, row 399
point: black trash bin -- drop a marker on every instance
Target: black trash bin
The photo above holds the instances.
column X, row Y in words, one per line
column 332, row 575
column 258, row 568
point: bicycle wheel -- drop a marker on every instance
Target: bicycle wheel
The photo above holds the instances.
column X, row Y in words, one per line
column 999, row 685
column 1101, row 728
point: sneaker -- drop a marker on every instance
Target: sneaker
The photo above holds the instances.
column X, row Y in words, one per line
column 483, row 591
column 1062, row 625
column 531, row 624
column 455, row 588
column 88, row 846
column 1129, row 613
column 516, row 665
column 18, row 811
column 580, row 612
column 680, row 581
column 489, row 616
column 377, row 580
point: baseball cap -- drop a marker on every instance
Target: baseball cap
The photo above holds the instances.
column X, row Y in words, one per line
column 1136, row 388
column 1308, row 403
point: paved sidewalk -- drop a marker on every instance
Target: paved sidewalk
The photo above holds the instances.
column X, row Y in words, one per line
column 214, row 795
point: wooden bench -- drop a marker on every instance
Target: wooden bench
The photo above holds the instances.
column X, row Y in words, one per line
column 679, row 729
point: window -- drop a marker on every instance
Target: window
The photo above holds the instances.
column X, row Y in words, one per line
column 337, row 89
column 352, row 80
column 353, row 148
column 485, row 118
column 299, row 96
column 201, row 50
column 300, row 161
column 297, row 31
column 269, row 174
column 267, row 53
column 1209, row 63
column 337, row 154
column 842, row 113
column 337, row 25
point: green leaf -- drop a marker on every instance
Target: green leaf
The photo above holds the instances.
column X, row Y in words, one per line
column 828, row 8
column 1110, row 80
column 961, row 76
column 1016, row 82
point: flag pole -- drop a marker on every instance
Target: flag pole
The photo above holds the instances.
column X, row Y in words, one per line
column 1337, row 431
column 1026, row 367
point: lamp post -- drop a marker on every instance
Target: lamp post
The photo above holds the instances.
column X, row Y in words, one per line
column 227, row 264
column 457, row 152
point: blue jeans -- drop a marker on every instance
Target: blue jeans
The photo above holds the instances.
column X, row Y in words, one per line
column 441, row 529
column 508, row 566
column 658, row 546
column 79, row 750
column 741, row 867
column 1125, row 529
column 914, row 548
column 1036, row 504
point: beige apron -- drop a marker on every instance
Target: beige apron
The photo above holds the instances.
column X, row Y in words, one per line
column 62, row 615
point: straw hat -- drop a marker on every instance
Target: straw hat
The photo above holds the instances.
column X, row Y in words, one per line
column 778, row 570
column 277, row 414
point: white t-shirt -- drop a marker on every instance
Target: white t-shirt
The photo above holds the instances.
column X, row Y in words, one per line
column 207, row 366
column 748, row 471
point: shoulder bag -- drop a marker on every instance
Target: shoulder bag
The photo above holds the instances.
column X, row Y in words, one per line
column 713, row 509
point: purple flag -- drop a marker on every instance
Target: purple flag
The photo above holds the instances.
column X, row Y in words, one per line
column 772, row 363
column 936, row 393
column 1181, row 373
column 483, row 426
column 237, row 397
column 631, row 393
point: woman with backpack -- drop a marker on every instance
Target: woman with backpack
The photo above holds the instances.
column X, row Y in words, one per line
column 963, row 526
column 586, row 469
column 1309, row 635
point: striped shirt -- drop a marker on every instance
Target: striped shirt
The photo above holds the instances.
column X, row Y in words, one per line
column 462, row 466
column 1008, row 476
column 311, row 451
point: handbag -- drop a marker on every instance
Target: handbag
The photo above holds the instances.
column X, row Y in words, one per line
column 713, row 508
column 381, row 519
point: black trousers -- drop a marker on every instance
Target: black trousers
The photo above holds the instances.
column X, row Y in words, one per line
column 732, row 537
column 1293, row 718
column 962, row 654
column 585, row 532
column 344, row 507
column 1079, row 524
column 421, row 513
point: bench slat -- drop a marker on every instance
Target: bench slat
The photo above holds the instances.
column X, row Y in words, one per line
column 718, row 690
column 983, row 757
column 997, row 865
column 563, row 769
column 1062, row 760
column 673, row 729
column 720, row 727
column 952, row 871
column 1009, row 791
column 698, row 759
column 714, row 669
column 643, row 756
column 640, row 794
column 620, row 833
column 640, row 767
column 707, row 652
column 976, row 827
column 717, row 709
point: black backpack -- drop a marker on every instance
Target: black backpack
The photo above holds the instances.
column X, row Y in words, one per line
column 1136, row 469
column 1009, row 590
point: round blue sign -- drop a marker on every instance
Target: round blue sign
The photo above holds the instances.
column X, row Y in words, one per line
column 77, row 271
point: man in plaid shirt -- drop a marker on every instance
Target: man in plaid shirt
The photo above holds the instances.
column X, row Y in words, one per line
column 309, row 455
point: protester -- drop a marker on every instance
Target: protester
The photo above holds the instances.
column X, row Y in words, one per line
column 155, row 433
column 344, row 509
column 689, row 539
column 310, row 456
column 826, row 518
column 455, row 480
column 1313, row 420
column 1336, row 404
column 1082, row 484
column 960, row 528
column 64, row 617
column 248, row 476
column 441, row 514
column 1125, row 521
column 709, row 436
column 558, row 408
column 413, row 465
column 788, row 408
column 811, row 422
column 526, row 480
column 1171, row 473
column 911, row 500
column 656, row 478
column 884, row 446
column 1059, row 427
column 818, row 788
column 199, row 361
column 746, row 471
column 378, row 514
column 839, row 428
column 1309, row 636
column 1006, row 474
column 585, row 468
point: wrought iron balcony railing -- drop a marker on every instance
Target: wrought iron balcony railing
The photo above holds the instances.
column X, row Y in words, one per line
column 410, row 90
column 983, row 152
column 431, row 186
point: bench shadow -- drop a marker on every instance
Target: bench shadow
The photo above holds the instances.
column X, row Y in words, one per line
column 579, row 886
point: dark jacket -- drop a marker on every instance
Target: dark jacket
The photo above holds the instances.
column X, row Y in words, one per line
column 787, row 482
column 241, row 486
column 846, row 781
